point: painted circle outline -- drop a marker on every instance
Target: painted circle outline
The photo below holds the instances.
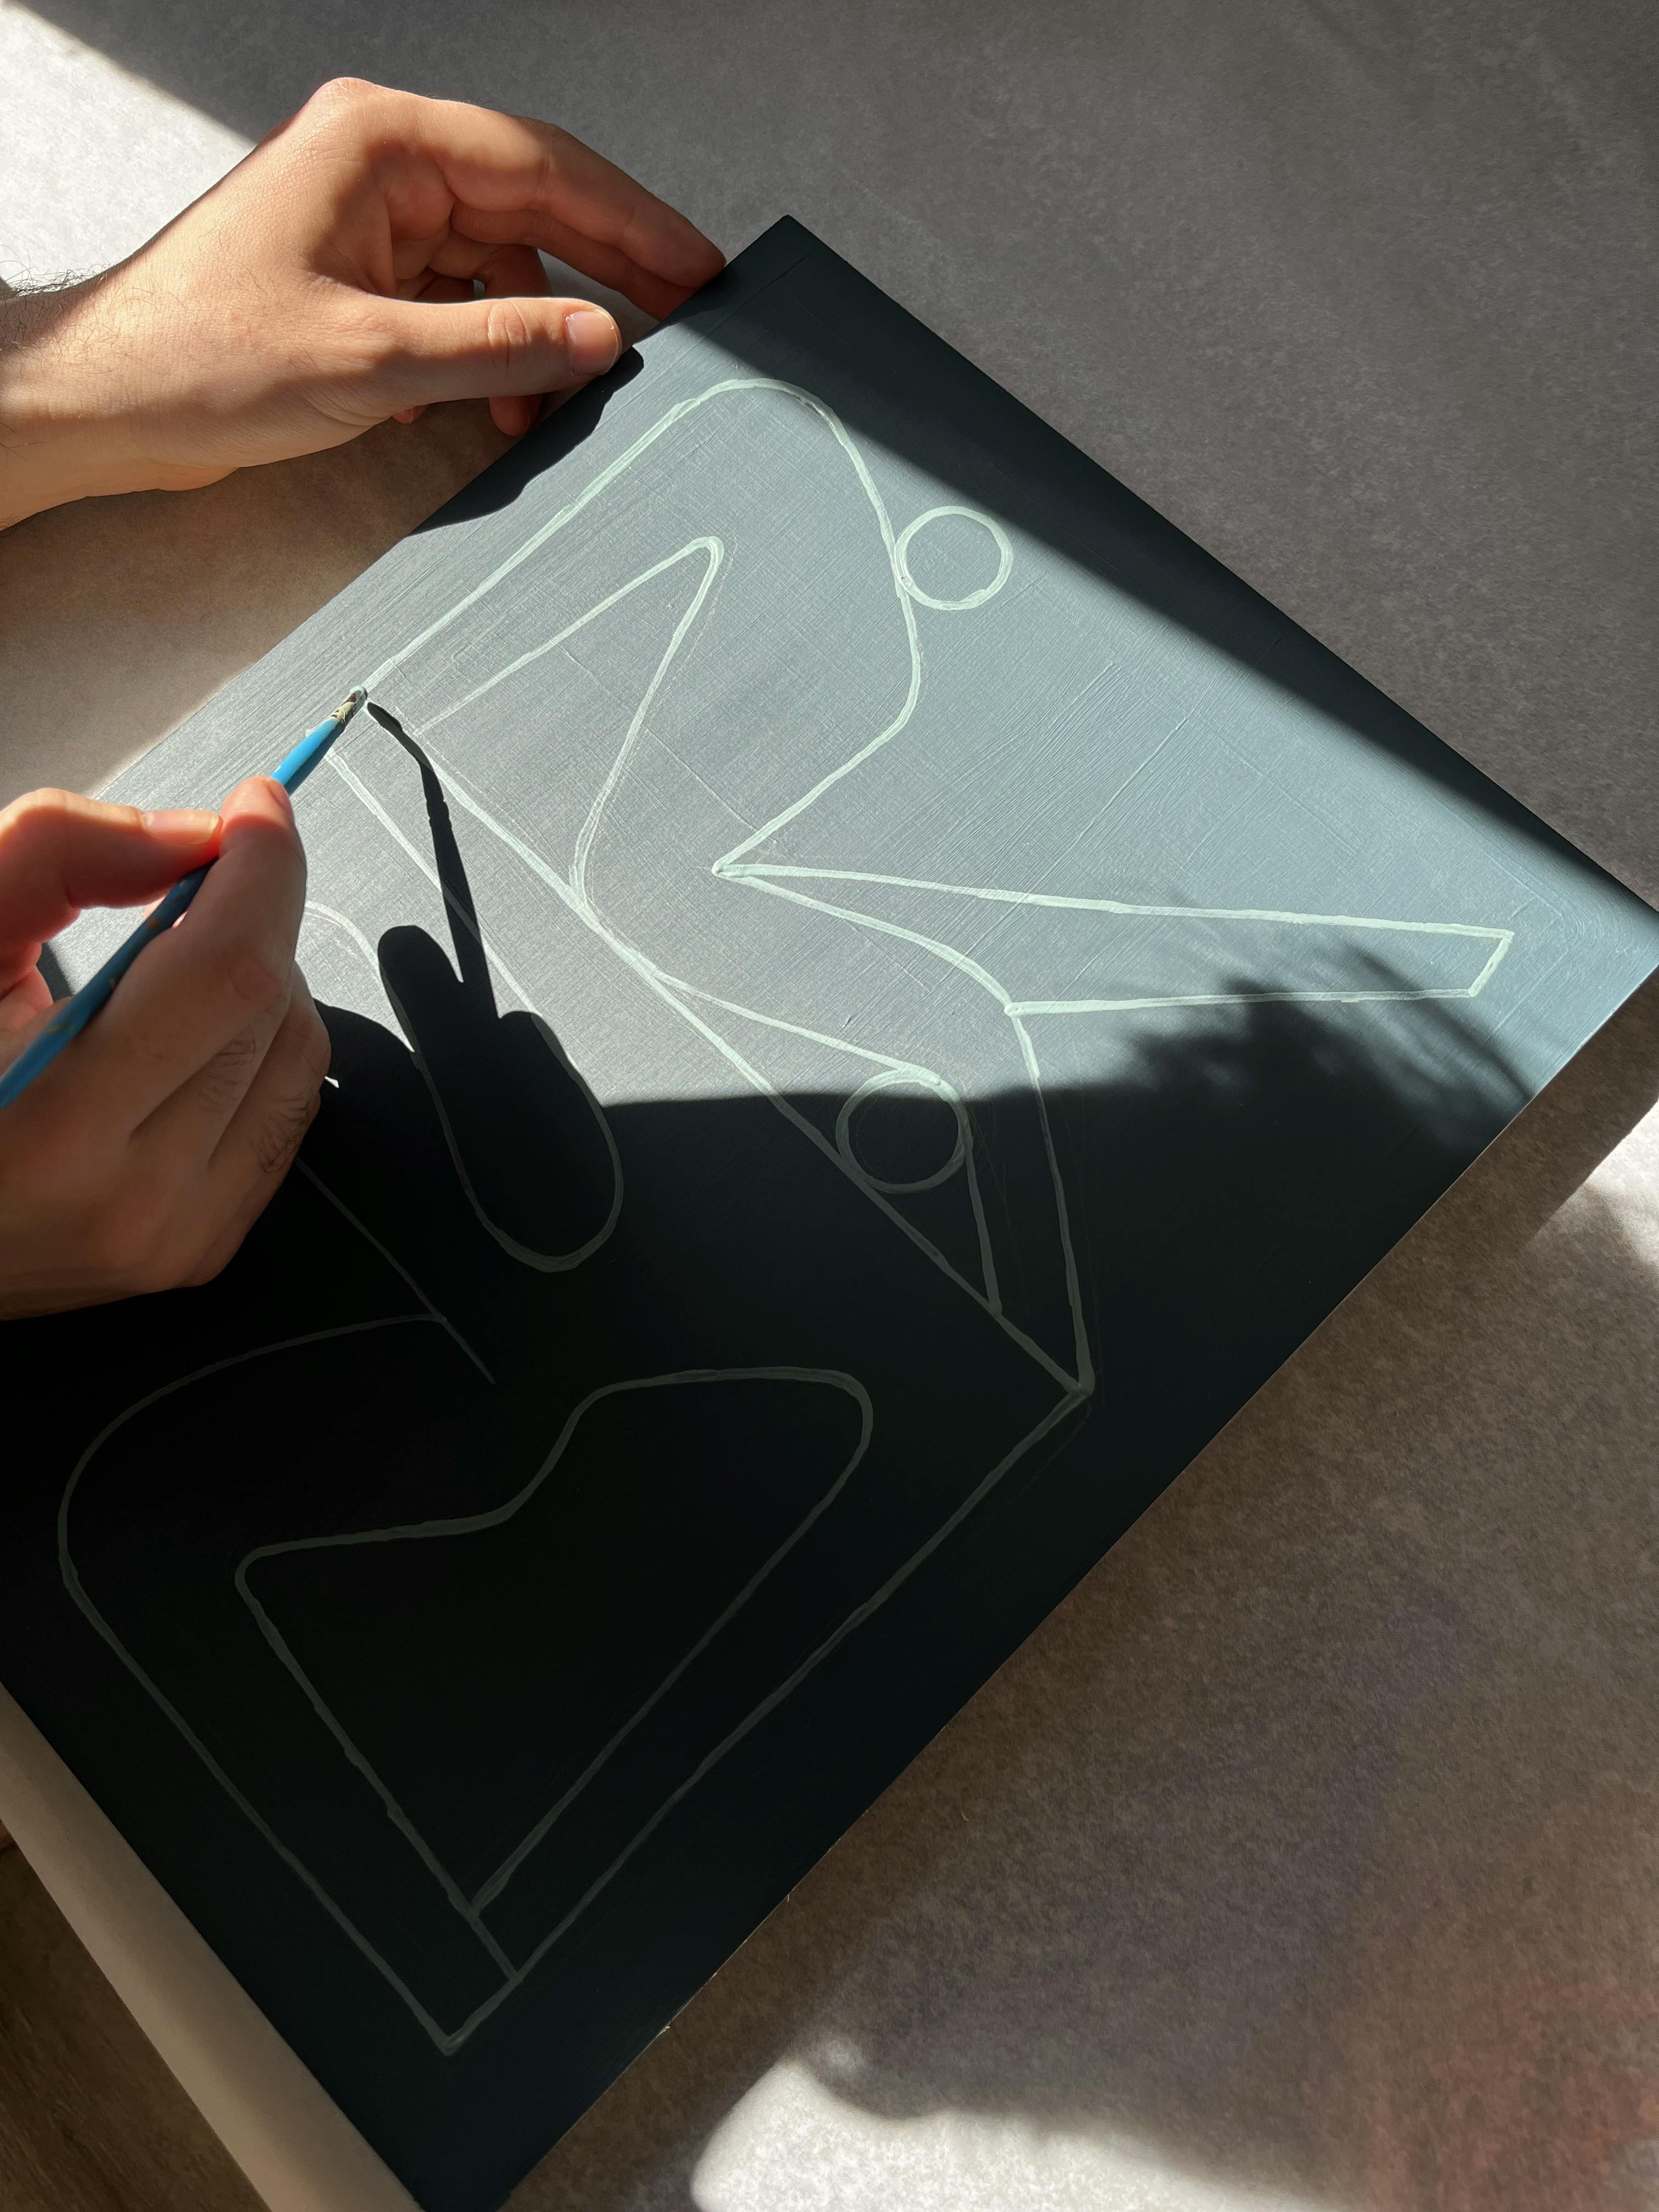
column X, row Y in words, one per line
column 921, row 1078
column 901, row 561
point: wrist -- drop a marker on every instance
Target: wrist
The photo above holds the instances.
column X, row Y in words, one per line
column 56, row 443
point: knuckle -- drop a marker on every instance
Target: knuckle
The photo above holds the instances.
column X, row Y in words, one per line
column 509, row 336
column 364, row 351
column 226, row 1076
column 343, row 98
column 36, row 817
column 161, row 1271
column 255, row 979
column 48, row 801
column 204, row 1270
column 281, row 1132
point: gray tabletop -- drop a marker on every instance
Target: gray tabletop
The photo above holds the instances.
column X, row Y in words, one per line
column 1307, row 1857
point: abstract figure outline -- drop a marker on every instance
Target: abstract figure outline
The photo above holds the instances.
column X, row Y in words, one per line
column 1074, row 1380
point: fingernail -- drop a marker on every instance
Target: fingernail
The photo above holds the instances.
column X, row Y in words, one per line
column 592, row 340
column 181, row 826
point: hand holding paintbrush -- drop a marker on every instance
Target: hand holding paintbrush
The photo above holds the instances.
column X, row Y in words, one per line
column 141, row 1155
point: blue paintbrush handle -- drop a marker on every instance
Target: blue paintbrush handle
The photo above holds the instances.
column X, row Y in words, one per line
column 72, row 1016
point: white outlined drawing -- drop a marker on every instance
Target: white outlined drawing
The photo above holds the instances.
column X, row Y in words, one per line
column 831, row 893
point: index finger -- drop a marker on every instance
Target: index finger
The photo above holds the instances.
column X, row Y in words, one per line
column 228, row 958
column 60, row 853
column 514, row 181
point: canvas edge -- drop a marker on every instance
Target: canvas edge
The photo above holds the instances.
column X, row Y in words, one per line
column 296, row 2146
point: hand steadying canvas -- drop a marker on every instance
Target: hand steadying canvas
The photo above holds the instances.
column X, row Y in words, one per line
column 325, row 286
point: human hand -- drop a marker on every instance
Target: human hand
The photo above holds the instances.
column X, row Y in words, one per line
column 139, row 1159
column 325, row 285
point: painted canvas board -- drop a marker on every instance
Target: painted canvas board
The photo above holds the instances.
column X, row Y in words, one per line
column 877, row 994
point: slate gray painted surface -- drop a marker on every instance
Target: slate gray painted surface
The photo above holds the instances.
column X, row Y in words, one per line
column 1188, row 971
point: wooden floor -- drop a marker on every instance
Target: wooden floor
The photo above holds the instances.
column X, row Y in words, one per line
column 90, row 2118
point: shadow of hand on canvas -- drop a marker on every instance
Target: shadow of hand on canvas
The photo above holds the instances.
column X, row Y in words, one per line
column 526, row 1145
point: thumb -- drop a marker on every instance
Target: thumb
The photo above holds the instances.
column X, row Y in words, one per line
column 59, row 853
column 489, row 348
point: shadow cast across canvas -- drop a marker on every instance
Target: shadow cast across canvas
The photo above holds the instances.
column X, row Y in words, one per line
column 1222, row 1772
column 1300, row 1849
column 1211, row 1214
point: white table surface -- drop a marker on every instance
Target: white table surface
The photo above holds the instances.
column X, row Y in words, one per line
column 1307, row 1857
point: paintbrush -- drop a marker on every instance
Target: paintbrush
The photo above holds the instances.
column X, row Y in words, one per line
column 72, row 1016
